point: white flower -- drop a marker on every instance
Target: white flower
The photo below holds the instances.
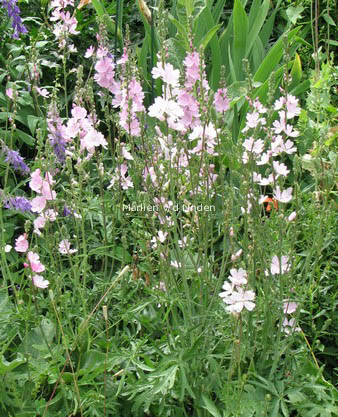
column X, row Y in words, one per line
column 289, row 326
column 8, row 248
column 39, row 281
column 64, row 247
column 238, row 276
column 240, row 299
column 277, row 267
column 283, row 196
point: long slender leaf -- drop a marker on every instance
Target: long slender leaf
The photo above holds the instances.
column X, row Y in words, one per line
column 240, row 37
column 272, row 58
column 256, row 27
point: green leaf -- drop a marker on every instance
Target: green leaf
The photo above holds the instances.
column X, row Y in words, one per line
column 328, row 19
column 32, row 121
column 6, row 366
column 240, row 37
column 272, row 58
column 294, row 13
column 181, row 30
column 207, row 38
column 210, row 406
column 296, row 72
column 257, row 26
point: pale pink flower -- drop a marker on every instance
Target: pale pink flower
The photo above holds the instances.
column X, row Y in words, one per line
column 167, row 73
column 289, row 326
column 162, row 236
column 280, row 168
column 64, row 247
column 253, row 120
column 21, row 243
column 236, row 255
column 39, row 223
column 292, row 106
column 283, row 196
column 93, row 138
column 42, row 91
column 89, row 51
column 34, row 262
column 40, row 282
column 9, row 93
column 47, row 192
column 238, row 276
column 221, row 101
column 228, row 288
column 240, row 299
column 176, row 264
column 280, row 268
column 289, row 307
column 126, row 154
column 38, row 204
column 292, row 216
column 35, row 183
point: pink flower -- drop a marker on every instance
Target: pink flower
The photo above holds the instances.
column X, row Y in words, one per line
column 167, row 73
column 38, row 204
column 64, row 247
column 283, row 196
column 176, row 264
column 35, row 183
column 253, row 120
column 93, row 138
column 279, row 268
column 89, row 51
column 42, row 91
column 221, row 101
column 34, row 262
column 280, row 168
column 9, row 93
column 21, row 243
column 289, row 307
column 238, row 276
column 235, row 256
column 240, row 299
column 228, row 288
column 39, row 223
column 162, row 236
column 47, row 192
column 292, row 216
column 39, row 281
column 289, row 326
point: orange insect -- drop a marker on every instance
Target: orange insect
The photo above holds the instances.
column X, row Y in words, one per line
column 270, row 202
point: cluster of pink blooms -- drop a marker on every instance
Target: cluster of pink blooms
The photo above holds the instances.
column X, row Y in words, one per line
column 235, row 295
column 80, row 126
column 66, row 23
column 262, row 153
column 33, row 262
column 179, row 107
column 43, row 187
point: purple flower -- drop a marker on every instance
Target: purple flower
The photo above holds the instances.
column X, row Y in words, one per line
column 14, row 13
column 66, row 211
column 57, row 135
column 16, row 160
column 18, row 203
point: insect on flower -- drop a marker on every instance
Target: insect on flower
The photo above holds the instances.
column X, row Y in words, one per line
column 270, row 203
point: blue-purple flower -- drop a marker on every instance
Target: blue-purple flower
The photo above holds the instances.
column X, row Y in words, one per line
column 16, row 160
column 18, row 203
column 13, row 12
